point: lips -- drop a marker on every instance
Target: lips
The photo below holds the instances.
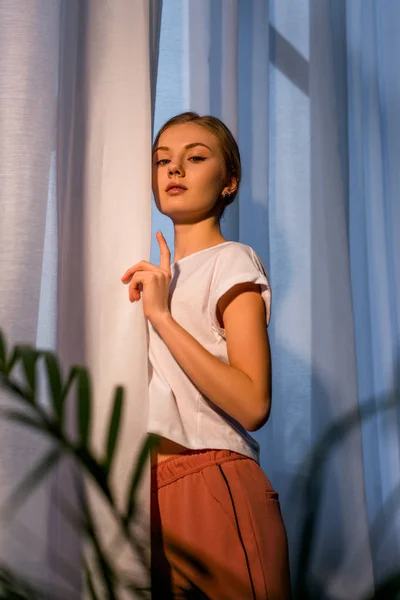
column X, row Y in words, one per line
column 175, row 186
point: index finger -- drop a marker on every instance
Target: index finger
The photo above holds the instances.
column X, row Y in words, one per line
column 165, row 254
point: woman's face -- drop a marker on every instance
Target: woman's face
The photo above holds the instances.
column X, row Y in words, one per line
column 187, row 155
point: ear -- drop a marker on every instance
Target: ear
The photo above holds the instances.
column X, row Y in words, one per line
column 231, row 187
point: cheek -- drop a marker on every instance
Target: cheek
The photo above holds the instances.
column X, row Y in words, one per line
column 210, row 177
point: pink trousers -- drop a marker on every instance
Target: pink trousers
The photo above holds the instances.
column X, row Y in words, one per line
column 216, row 527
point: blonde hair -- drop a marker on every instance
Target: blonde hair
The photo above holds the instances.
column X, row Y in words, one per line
column 227, row 145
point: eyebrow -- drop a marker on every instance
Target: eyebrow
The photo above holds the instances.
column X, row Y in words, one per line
column 192, row 145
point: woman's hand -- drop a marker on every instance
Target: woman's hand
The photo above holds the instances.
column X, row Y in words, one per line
column 153, row 281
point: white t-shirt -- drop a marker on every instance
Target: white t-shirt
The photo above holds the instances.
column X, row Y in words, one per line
column 178, row 411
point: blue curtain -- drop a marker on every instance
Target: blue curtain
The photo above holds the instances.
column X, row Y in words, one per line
column 373, row 67
column 315, row 106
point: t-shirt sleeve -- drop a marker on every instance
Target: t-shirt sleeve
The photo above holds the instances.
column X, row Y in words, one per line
column 238, row 265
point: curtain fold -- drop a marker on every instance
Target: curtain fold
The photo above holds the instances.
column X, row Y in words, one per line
column 28, row 72
column 342, row 562
column 105, row 215
column 77, row 81
column 373, row 51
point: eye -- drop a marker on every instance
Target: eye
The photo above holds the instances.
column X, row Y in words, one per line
column 197, row 158
column 162, row 161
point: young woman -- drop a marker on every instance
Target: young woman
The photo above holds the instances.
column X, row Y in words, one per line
column 210, row 380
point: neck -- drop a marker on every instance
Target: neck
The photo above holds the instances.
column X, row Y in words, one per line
column 192, row 237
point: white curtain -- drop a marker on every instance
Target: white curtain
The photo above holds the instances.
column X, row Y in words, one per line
column 75, row 213
column 29, row 37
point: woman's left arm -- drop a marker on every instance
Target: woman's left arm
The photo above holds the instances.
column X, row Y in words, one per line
column 243, row 388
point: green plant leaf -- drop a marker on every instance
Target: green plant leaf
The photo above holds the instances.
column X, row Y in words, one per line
column 30, row 482
column 70, row 381
column 13, row 587
column 84, row 405
column 132, row 587
column 3, row 351
column 55, row 383
column 24, row 419
column 95, row 470
column 311, row 488
column 29, row 356
column 13, row 359
column 89, row 581
column 104, row 566
column 149, row 443
column 9, row 384
column 113, row 428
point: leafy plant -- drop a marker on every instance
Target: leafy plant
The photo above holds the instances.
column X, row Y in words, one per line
column 51, row 421
column 315, row 465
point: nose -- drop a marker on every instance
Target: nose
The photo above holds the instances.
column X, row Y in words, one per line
column 175, row 169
